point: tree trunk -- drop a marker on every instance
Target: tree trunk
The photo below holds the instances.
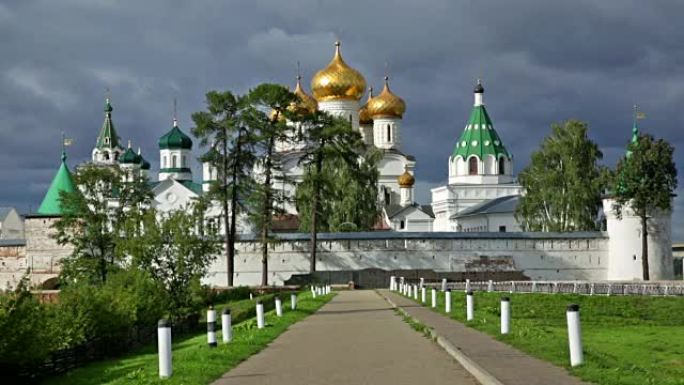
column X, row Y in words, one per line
column 314, row 207
column 644, row 247
column 230, row 249
column 267, row 212
column 233, row 207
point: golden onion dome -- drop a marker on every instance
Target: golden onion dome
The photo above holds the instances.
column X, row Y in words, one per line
column 306, row 102
column 364, row 118
column 386, row 104
column 338, row 81
column 406, row 179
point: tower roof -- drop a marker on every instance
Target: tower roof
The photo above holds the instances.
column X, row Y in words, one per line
column 107, row 137
column 387, row 104
column 175, row 139
column 62, row 181
column 338, row 81
column 479, row 137
column 130, row 157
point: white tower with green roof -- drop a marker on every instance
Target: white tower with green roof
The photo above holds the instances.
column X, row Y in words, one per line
column 482, row 191
column 480, row 156
column 107, row 148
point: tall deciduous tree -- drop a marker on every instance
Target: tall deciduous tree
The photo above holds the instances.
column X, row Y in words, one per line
column 175, row 249
column 646, row 179
column 563, row 183
column 266, row 120
column 95, row 219
column 230, row 154
column 328, row 138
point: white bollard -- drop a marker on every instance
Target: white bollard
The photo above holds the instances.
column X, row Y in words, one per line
column 591, row 289
column 226, row 326
column 293, row 301
column 665, row 292
column 469, row 306
column 251, row 296
column 408, row 292
column 313, row 291
column 279, row 306
column 393, row 283
column 422, row 294
column 574, row 335
column 534, row 286
column 444, row 284
column 610, row 287
column 164, row 346
column 447, row 301
column 211, row 327
column 512, row 287
column 422, row 283
column 415, row 292
column 505, row 315
column 490, row 286
column 434, row 297
column 260, row 314
column 574, row 288
column 467, row 285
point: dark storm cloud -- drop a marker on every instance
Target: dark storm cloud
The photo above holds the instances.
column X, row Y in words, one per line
column 541, row 62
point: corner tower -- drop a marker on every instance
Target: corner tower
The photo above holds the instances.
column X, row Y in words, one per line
column 480, row 156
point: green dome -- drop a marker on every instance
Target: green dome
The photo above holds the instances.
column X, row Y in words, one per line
column 175, row 139
column 144, row 164
column 51, row 204
column 130, row 157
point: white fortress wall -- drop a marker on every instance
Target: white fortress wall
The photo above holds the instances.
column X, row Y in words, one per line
column 546, row 256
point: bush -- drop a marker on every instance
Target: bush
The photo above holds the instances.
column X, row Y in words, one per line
column 204, row 295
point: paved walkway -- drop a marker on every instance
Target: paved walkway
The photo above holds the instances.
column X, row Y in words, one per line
column 508, row 365
column 354, row 339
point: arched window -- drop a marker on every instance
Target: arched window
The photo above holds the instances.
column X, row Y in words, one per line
column 164, row 161
column 174, row 161
column 387, row 195
column 472, row 166
column 389, row 133
column 105, row 155
column 502, row 166
column 183, row 163
column 116, row 156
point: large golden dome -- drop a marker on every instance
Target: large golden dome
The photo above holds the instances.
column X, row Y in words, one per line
column 364, row 117
column 338, row 81
column 406, row 179
column 387, row 104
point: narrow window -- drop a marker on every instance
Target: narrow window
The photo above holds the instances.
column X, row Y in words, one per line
column 472, row 166
column 183, row 163
column 174, row 161
column 389, row 133
column 502, row 229
column 502, row 165
column 164, row 161
column 105, row 155
column 402, row 225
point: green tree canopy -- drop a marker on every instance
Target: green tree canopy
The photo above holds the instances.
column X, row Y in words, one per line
column 646, row 179
column 563, row 183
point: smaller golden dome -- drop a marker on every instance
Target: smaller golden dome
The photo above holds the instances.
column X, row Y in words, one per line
column 406, row 179
column 306, row 102
column 338, row 81
column 364, row 118
column 387, row 104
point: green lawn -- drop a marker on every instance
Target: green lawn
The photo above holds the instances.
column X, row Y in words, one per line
column 627, row 340
column 193, row 361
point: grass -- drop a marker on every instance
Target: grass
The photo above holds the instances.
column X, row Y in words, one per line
column 193, row 361
column 627, row 340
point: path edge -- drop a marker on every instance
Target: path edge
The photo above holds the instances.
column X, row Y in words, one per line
column 477, row 371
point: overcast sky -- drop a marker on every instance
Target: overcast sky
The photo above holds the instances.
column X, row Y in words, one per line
column 541, row 62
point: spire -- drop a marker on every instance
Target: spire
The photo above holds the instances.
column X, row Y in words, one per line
column 635, row 128
column 479, row 136
column 478, row 91
column 107, row 137
column 51, row 204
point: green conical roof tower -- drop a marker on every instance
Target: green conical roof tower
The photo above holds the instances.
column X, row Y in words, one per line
column 107, row 137
column 479, row 137
column 51, row 204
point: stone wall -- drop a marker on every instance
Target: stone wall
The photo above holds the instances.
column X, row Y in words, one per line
column 536, row 255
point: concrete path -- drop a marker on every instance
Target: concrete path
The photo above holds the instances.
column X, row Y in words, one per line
column 505, row 364
column 356, row 338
